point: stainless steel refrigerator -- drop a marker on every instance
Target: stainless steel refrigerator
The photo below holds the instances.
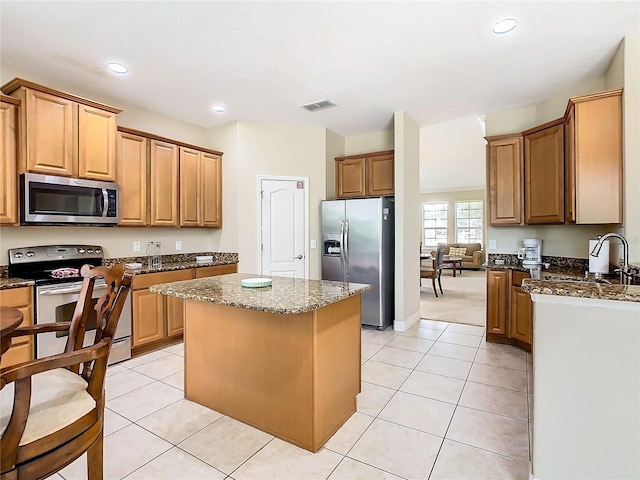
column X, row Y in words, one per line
column 358, row 246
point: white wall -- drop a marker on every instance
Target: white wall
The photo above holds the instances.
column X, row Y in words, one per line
column 334, row 148
column 407, row 217
column 270, row 150
column 370, row 142
column 117, row 242
column 452, row 156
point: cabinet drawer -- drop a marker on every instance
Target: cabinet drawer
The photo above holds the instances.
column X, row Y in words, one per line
column 216, row 270
column 15, row 297
column 17, row 354
column 148, row 279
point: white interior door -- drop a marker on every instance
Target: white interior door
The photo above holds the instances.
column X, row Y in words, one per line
column 283, row 227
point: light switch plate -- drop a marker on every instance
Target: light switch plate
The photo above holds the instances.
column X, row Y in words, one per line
column 492, row 245
column 178, row 245
column 314, row 244
column 136, row 246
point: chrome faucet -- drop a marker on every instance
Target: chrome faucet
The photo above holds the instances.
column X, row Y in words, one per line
column 626, row 272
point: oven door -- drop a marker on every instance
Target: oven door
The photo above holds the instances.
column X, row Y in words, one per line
column 56, row 303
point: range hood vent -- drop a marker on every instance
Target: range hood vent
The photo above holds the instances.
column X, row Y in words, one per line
column 321, row 105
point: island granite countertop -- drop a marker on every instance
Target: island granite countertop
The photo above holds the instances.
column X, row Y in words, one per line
column 287, row 296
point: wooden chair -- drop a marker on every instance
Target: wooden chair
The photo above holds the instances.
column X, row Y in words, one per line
column 52, row 409
column 434, row 271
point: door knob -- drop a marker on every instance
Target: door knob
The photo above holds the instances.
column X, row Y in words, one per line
column 299, row 257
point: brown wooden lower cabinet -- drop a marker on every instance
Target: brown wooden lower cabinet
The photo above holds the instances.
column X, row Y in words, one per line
column 509, row 309
column 21, row 349
column 159, row 319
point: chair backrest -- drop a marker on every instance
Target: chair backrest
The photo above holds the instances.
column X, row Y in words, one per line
column 440, row 254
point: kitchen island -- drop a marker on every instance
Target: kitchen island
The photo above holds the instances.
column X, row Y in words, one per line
column 283, row 358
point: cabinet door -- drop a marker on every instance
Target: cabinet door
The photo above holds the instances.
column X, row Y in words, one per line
column 21, row 349
column 504, row 180
column 350, row 178
column 380, row 175
column 190, row 187
column 9, row 180
column 175, row 315
column 497, row 300
column 163, row 166
column 96, row 143
column 148, row 317
column 50, row 133
column 131, row 175
column 598, row 159
column 211, row 190
column 544, row 175
column 520, row 315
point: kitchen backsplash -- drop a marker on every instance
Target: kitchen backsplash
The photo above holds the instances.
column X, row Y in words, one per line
column 556, row 263
column 4, row 271
column 173, row 258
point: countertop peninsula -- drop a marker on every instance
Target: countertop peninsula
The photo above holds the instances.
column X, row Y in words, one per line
column 287, row 296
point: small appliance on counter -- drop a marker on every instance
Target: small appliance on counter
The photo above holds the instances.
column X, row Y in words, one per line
column 531, row 254
column 599, row 264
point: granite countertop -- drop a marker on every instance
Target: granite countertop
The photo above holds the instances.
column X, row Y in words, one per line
column 284, row 296
column 6, row 283
column 553, row 273
column 583, row 289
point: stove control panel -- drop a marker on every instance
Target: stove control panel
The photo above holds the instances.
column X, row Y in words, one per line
column 47, row 253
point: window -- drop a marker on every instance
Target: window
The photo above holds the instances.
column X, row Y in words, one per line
column 469, row 222
column 434, row 224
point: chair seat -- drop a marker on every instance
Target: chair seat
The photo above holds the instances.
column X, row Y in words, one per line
column 58, row 398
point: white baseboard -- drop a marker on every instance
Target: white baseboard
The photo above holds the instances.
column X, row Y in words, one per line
column 403, row 325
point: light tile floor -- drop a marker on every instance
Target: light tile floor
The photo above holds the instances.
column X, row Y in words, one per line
column 437, row 402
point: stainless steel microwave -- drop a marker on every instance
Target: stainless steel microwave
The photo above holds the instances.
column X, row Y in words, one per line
column 53, row 200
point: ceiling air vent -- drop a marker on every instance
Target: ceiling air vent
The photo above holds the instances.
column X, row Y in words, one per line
column 321, row 105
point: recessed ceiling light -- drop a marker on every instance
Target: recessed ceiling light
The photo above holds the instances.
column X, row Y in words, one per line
column 505, row 25
column 117, row 68
column 219, row 108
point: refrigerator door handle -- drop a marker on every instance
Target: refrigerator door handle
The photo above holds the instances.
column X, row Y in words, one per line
column 342, row 257
column 346, row 247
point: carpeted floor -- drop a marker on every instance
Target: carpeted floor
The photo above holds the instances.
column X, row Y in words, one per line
column 464, row 299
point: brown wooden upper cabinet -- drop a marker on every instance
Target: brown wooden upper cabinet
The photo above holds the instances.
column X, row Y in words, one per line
column 132, row 165
column 365, row 175
column 544, row 173
column 63, row 134
column 504, row 179
column 200, row 189
column 593, row 155
column 9, row 180
column 163, row 174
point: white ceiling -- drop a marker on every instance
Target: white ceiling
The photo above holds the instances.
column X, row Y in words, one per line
column 434, row 60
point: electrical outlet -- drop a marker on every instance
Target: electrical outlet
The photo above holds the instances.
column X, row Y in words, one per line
column 178, row 245
column 492, row 245
column 136, row 246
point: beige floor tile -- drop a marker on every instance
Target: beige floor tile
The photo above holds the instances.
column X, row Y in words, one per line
column 349, row 433
column 398, row 356
column 496, row 433
column 433, row 386
column 529, row 362
column 350, row 469
column 414, row 411
column 498, row 377
column 179, row 420
column 113, row 422
column 124, row 382
column 212, row 444
column 116, row 368
column 176, row 380
column 372, row 398
column 397, row 449
column 462, row 462
column 513, row 358
column 368, row 350
column 281, row 460
column 55, row 476
column 530, row 382
column 174, row 464
column 495, row 346
column 449, row 367
column 495, row 400
column 433, row 324
column 162, row 367
column 383, row 374
column 422, row 332
column 414, row 344
column 459, row 352
column 177, row 349
column 124, row 452
column 466, row 329
column 460, row 339
column 530, row 408
column 371, row 335
column 146, row 358
column 145, row 401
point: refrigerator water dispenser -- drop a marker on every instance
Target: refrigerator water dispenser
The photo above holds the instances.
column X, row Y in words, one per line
column 331, row 245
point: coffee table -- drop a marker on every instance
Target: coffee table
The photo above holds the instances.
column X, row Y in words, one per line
column 455, row 262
